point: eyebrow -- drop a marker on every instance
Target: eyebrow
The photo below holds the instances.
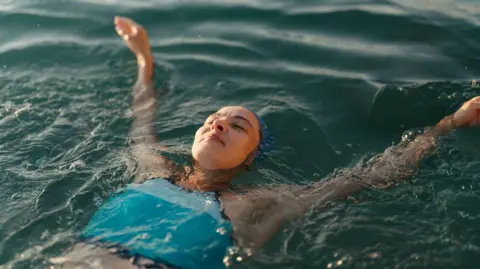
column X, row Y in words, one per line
column 236, row 117
column 242, row 118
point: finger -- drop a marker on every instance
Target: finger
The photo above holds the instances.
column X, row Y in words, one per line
column 475, row 121
column 474, row 106
column 119, row 19
column 126, row 25
column 467, row 105
column 474, row 100
column 119, row 31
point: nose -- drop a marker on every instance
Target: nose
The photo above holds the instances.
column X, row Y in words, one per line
column 220, row 125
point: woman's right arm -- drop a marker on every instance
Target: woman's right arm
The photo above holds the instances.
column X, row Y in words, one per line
column 142, row 134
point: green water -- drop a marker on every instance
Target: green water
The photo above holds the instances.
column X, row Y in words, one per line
column 310, row 68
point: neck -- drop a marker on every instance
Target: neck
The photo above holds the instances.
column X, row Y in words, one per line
column 208, row 180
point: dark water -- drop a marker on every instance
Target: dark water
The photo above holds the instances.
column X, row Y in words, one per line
column 311, row 68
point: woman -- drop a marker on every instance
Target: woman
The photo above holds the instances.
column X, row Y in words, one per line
column 182, row 217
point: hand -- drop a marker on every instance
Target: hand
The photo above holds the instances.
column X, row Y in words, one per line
column 134, row 35
column 468, row 114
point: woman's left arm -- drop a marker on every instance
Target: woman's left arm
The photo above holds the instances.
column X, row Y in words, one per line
column 260, row 214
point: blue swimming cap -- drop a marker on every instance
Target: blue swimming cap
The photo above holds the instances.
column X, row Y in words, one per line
column 266, row 138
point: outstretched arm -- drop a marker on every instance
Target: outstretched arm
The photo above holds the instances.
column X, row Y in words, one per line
column 144, row 104
column 265, row 212
column 395, row 164
column 143, row 95
column 399, row 162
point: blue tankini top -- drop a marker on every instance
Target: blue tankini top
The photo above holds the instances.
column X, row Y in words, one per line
column 164, row 223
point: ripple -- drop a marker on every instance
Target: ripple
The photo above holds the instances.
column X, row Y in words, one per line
column 352, row 45
column 443, row 11
column 320, row 71
column 207, row 42
column 28, row 21
column 324, row 9
column 47, row 41
column 216, row 60
column 12, row 13
column 259, row 4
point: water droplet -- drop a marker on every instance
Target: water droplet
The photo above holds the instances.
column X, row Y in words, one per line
column 239, row 259
column 45, row 234
column 375, row 255
column 226, row 261
column 77, row 164
column 222, row 231
column 232, row 250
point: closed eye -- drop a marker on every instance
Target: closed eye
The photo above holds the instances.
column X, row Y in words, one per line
column 210, row 121
column 236, row 126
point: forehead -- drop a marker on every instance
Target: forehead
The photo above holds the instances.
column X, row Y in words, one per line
column 240, row 111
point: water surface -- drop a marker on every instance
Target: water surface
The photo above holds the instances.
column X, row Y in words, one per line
column 310, row 68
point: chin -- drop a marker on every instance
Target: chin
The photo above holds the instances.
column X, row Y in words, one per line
column 211, row 159
column 205, row 159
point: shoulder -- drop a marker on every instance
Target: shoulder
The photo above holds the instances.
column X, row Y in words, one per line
column 170, row 175
column 250, row 201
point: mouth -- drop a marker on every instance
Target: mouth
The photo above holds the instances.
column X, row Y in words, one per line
column 216, row 138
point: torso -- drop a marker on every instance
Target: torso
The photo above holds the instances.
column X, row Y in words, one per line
column 165, row 223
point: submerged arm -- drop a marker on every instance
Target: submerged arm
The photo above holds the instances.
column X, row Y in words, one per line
column 265, row 213
column 399, row 162
column 395, row 164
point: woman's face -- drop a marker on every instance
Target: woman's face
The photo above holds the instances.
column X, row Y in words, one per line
column 226, row 138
